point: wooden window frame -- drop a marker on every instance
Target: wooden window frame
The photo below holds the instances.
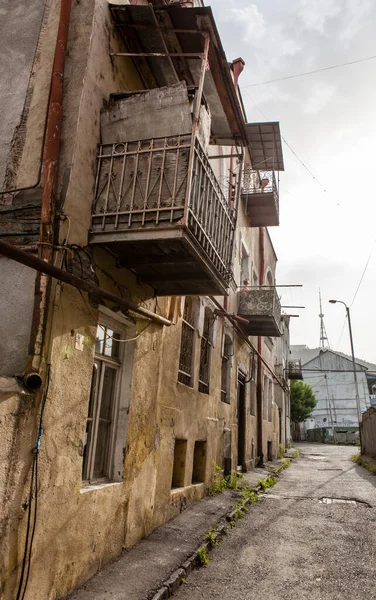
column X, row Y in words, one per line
column 101, row 362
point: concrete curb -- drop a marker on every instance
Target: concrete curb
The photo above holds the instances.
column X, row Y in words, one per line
column 178, row 577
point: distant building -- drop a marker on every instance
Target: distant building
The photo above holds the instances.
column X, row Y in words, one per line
column 331, row 377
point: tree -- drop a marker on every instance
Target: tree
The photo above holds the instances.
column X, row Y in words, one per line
column 303, row 401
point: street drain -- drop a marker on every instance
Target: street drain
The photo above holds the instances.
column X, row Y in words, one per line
column 352, row 501
column 328, row 469
column 315, row 457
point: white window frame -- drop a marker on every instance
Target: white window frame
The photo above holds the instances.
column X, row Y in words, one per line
column 125, row 329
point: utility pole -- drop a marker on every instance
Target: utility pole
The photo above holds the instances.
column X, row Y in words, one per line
column 354, row 366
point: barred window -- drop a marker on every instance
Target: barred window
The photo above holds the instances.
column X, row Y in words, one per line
column 265, row 398
column 185, row 374
column 226, row 369
column 205, row 354
column 270, row 400
column 253, row 386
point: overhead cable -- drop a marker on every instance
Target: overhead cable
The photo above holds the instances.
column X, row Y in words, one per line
column 345, row 64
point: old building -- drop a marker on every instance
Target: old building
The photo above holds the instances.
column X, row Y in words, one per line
column 142, row 340
column 330, row 374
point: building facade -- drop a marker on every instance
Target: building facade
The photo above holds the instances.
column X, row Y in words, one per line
column 334, row 390
column 153, row 348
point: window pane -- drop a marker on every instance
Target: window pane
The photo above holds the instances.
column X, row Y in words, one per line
column 108, row 390
column 87, row 442
column 105, row 420
column 99, row 340
column 108, row 343
column 89, row 422
column 101, row 454
column 111, row 345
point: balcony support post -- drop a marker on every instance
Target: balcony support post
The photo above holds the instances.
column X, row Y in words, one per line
column 196, row 118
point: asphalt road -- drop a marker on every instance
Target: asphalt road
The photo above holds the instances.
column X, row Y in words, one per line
column 295, row 545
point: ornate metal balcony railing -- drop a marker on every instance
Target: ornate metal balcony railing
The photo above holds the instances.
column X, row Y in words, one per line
column 262, row 309
column 163, row 184
column 294, row 369
column 260, row 193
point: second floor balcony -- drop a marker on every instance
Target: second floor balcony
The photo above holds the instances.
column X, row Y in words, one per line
column 261, row 198
column 261, row 307
column 294, row 370
column 159, row 208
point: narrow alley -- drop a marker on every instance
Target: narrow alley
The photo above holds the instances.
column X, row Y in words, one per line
column 295, row 543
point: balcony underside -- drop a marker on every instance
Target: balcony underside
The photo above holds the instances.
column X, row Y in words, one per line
column 263, row 326
column 169, row 259
column 261, row 208
column 262, row 309
column 295, row 376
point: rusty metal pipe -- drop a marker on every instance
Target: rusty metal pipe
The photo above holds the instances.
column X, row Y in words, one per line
column 259, row 390
column 49, row 192
column 55, row 117
column 48, row 269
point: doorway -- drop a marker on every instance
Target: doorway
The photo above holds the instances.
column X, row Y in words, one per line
column 241, row 421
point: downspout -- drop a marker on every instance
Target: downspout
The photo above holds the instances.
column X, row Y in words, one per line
column 49, row 192
column 259, row 350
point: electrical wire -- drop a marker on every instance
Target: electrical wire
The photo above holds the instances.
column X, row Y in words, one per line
column 33, row 493
column 345, row 64
column 364, row 272
column 104, row 329
column 357, row 289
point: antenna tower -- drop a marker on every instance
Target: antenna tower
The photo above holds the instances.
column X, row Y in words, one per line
column 324, row 342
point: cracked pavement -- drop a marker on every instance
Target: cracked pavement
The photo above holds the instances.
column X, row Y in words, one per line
column 296, row 542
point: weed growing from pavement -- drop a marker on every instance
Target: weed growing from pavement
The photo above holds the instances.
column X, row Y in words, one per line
column 296, row 454
column 202, row 554
column 221, row 483
column 281, row 451
column 284, row 464
column 267, row 483
column 212, row 537
column 363, row 462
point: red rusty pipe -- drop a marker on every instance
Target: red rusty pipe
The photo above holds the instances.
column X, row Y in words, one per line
column 259, row 350
column 55, row 117
column 49, row 192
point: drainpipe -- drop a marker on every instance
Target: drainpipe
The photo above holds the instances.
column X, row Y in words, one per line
column 259, row 350
column 49, row 192
column 237, row 68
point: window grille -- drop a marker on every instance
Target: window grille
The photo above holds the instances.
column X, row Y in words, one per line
column 185, row 374
column 205, row 355
column 226, row 370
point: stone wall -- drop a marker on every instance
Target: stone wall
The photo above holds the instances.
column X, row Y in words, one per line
column 368, row 428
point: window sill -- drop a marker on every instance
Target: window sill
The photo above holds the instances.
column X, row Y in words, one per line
column 91, row 487
column 181, row 490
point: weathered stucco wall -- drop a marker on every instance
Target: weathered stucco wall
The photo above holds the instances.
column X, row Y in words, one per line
column 16, row 307
column 19, row 32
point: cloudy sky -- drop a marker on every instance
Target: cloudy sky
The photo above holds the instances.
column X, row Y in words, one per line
column 328, row 224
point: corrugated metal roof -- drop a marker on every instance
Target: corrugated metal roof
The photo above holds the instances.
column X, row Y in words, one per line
column 153, row 29
column 265, row 146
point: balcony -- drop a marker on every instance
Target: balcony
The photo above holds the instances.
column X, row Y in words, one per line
column 262, row 309
column 159, row 208
column 294, row 370
column 260, row 195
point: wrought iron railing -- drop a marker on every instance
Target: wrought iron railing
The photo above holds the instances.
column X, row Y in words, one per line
column 294, row 369
column 156, row 183
column 260, row 182
column 259, row 301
